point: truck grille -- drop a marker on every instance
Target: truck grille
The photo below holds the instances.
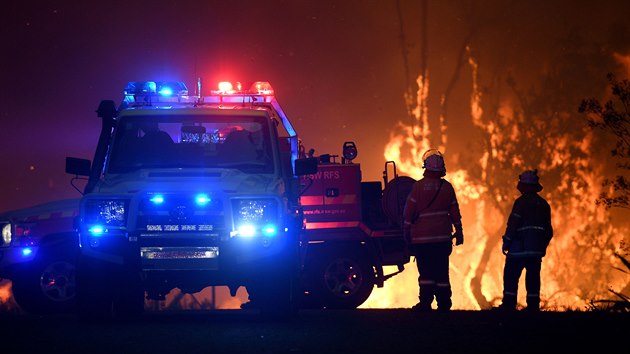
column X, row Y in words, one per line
column 178, row 220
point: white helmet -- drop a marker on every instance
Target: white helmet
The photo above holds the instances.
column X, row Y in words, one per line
column 433, row 161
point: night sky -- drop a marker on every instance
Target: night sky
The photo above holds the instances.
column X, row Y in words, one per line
column 337, row 66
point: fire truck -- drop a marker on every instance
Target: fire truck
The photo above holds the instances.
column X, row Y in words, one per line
column 353, row 230
column 38, row 255
column 194, row 190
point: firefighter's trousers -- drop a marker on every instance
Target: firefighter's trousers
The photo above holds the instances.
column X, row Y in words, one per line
column 512, row 272
column 432, row 260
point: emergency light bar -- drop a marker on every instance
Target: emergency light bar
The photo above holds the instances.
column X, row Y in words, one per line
column 161, row 88
column 149, row 92
column 262, row 88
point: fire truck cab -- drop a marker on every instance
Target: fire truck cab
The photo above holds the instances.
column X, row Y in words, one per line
column 188, row 191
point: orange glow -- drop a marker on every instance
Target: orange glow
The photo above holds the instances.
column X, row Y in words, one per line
column 210, row 298
column 7, row 302
column 5, row 291
column 573, row 252
column 623, row 59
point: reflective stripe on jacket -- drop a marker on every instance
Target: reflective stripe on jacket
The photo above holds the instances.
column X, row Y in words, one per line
column 529, row 227
column 435, row 223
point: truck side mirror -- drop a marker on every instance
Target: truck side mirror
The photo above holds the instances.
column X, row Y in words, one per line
column 79, row 167
column 307, row 166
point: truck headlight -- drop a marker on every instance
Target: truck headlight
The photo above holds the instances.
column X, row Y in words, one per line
column 6, row 234
column 255, row 217
column 102, row 215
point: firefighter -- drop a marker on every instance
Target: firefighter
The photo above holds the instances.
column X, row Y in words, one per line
column 431, row 212
column 525, row 242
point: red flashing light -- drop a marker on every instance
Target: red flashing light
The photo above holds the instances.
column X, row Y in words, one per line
column 225, row 87
column 261, row 88
column 257, row 88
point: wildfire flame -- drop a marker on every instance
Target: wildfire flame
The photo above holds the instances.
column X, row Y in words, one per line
column 579, row 265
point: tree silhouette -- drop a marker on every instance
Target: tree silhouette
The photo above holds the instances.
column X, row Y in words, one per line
column 538, row 127
column 614, row 121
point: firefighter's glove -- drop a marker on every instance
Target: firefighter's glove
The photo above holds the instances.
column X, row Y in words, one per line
column 459, row 237
column 459, row 234
column 505, row 248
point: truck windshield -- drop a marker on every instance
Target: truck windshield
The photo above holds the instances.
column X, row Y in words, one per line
column 154, row 141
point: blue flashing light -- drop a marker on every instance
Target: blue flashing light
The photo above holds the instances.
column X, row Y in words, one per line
column 96, row 230
column 166, row 91
column 157, row 199
column 246, row 230
column 27, row 251
column 269, row 230
column 162, row 88
column 202, row 199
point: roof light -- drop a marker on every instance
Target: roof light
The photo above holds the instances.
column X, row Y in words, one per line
column 162, row 88
column 225, row 87
column 166, row 91
column 140, row 87
column 261, row 88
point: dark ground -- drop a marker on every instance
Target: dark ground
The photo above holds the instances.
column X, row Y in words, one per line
column 357, row 331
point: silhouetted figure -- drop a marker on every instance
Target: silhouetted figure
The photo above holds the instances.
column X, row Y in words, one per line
column 525, row 242
column 239, row 147
column 431, row 212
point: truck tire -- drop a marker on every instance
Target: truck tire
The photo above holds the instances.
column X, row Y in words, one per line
column 342, row 280
column 49, row 284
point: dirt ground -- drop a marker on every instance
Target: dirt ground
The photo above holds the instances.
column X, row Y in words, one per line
column 325, row 331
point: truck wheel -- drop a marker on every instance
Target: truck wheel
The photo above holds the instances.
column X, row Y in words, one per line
column 49, row 285
column 343, row 281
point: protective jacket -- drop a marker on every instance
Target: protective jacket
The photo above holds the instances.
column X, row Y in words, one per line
column 431, row 211
column 529, row 227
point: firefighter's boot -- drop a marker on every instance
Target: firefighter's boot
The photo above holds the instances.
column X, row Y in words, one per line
column 509, row 303
column 427, row 293
column 533, row 303
column 443, row 297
